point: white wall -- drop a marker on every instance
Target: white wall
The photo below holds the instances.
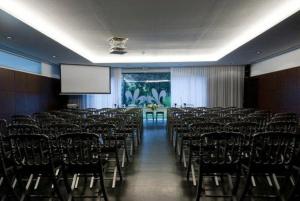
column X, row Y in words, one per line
column 281, row 62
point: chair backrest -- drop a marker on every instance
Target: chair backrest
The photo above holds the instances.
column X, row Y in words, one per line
column 245, row 128
column 287, row 114
column 23, row 129
column 260, row 120
column 97, row 117
column 30, row 150
column 209, row 115
column 193, row 120
column 206, row 127
column 236, row 115
column 54, row 130
column 282, row 126
column 223, row 120
column 114, row 120
column 272, row 148
column 84, row 122
column 20, row 120
column 285, row 118
column 221, row 148
column 101, row 128
column 79, row 148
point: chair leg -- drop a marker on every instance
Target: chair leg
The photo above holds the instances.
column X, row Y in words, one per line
column 56, row 187
column 174, row 138
column 199, row 188
column 67, row 185
column 292, row 194
column 189, row 166
column 171, row 134
column 133, row 142
column 138, row 137
column 247, row 186
column 101, row 180
column 118, row 165
column 176, row 142
column 21, row 185
column 235, row 188
column 126, row 151
column 13, row 195
column 181, row 150
column 277, row 187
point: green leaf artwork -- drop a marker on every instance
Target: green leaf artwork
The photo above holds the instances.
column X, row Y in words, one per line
column 142, row 89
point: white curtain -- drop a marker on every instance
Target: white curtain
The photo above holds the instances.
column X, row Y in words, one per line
column 106, row 100
column 207, row 86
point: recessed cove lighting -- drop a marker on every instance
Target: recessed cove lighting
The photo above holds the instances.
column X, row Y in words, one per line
column 37, row 15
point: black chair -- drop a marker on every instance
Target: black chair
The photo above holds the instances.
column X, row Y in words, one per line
column 32, row 158
column 110, row 144
column 7, row 178
column 23, row 129
column 193, row 145
column 220, row 152
column 271, row 153
column 81, row 157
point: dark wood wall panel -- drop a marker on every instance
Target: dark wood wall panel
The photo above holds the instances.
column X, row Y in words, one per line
column 278, row 91
column 24, row 93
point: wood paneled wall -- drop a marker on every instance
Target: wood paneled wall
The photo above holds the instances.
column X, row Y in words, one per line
column 24, row 93
column 278, row 91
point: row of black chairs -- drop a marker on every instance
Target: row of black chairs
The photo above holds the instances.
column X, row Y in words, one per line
column 60, row 144
column 232, row 141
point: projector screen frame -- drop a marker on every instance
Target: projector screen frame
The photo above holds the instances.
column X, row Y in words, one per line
column 75, row 93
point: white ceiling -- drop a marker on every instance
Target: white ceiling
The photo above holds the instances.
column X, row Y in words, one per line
column 158, row 30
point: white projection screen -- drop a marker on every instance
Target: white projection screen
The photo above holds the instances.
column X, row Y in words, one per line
column 80, row 79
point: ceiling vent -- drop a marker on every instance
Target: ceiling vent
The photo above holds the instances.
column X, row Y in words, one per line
column 118, row 45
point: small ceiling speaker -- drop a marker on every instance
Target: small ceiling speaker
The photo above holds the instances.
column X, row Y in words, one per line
column 118, row 45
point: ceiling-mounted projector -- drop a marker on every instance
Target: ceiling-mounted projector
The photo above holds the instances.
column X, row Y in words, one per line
column 118, row 45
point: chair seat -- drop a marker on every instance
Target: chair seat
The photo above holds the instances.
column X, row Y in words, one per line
column 111, row 148
column 266, row 168
column 84, row 168
column 219, row 167
column 121, row 136
column 189, row 136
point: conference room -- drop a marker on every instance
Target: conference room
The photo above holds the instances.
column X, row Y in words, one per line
column 139, row 100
